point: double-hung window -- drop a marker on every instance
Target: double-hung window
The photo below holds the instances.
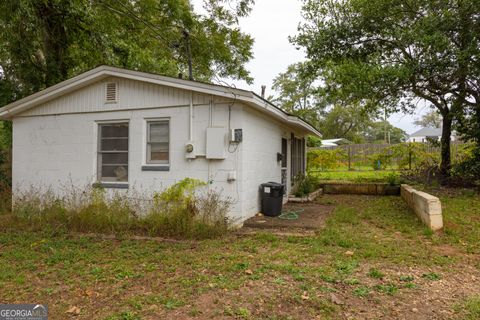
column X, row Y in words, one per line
column 158, row 142
column 113, row 152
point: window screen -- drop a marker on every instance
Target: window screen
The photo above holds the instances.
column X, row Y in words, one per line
column 158, row 139
column 113, row 152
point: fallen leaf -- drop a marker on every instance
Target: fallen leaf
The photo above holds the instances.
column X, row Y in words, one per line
column 335, row 299
column 249, row 272
column 74, row 310
column 349, row 253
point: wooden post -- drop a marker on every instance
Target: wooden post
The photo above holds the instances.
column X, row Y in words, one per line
column 349, row 158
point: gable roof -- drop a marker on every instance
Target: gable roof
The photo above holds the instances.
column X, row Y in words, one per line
column 427, row 132
column 248, row 97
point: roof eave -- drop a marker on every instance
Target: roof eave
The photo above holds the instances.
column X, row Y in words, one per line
column 84, row 79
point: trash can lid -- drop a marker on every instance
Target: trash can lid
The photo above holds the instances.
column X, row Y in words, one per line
column 273, row 185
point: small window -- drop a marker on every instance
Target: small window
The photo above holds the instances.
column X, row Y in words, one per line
column 111, row 92
column 113, row 152
column 158, row 142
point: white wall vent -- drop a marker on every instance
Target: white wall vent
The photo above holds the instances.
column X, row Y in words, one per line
column 111, row 92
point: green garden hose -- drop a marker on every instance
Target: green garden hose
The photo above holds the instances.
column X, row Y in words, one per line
column 291, row 214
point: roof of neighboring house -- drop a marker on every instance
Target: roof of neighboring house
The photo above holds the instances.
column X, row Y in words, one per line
column 337, row 141
column 429, row 132
column 328, row 144
column 248, row 97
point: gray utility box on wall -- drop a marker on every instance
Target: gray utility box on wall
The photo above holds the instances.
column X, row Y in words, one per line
column 216, row 143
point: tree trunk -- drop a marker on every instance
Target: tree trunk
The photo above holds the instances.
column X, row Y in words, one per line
column 445, row 145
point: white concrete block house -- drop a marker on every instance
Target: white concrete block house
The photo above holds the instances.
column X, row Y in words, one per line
column 128, row 129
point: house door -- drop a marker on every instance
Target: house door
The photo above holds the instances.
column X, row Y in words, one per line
column 284, row 161
column 298, row 157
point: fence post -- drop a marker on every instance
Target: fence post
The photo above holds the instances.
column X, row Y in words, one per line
column 349, row 158
column 409, row 159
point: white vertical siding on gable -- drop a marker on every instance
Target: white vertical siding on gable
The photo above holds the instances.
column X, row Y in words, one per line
column 131, row 95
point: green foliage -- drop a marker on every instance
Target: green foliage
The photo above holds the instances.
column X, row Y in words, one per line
column 375, row 273
column 380, row 161
column 5, row 134
column 431, row 119
column 393, row 179
column 408, row 155
column 303, row 185
column 177, row 212
column 470, row 308
column 375, row 133
column 390, row 54
column 432, row 276
column 45, row 42
column 389, row 289
column 346, row 121
column 325, row 159
column 5, row 180
column 181, row 192
column 467, row 166
column 296, row 93
column 361, row 292
column 313, row 142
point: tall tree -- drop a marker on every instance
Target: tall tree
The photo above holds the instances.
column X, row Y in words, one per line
column 430, row 119
column 394, row 53
column 375, row 133
column 297, row 94
column 349, row 122
column 47, row 41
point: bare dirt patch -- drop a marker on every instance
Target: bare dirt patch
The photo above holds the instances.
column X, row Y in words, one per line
column 310, row 216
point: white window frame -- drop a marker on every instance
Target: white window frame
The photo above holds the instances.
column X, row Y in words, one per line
column 98, row 164
column 147, row 142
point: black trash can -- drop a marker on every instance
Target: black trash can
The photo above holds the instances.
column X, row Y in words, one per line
column 272, row 197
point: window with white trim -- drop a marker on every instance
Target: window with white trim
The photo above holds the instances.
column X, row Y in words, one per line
column 113, row 152
column 158, row 142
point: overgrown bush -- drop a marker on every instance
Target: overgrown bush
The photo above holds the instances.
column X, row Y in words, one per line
column 303, row 185
column 179, row 211
column 325, row 159
column 466, row 168
column 408, row 155
column 5, row 180
column 380, row 161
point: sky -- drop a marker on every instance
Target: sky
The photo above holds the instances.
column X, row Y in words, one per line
column 271, row 23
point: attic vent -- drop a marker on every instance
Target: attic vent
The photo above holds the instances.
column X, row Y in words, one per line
column 111, row 92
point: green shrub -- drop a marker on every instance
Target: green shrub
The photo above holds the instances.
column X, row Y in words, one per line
column 303, row 185
column 380, row 161
column 413, row 155
column 325, row 159
column 176, row 212
column 393, row 179
column 5, row 180
column 467, row 164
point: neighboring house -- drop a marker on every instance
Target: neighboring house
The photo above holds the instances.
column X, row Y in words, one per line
column 425, row 134
column 329, row 143
column 125, row 129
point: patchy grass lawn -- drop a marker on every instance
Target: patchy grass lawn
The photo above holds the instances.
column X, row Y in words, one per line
column 371, row 260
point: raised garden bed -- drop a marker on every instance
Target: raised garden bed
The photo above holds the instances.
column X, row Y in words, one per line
column 307, row 198
column 361, row 188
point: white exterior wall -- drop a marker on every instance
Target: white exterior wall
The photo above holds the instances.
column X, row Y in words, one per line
column 55, row 144
column 56, row 148
column 424, row 139
column 262, row 142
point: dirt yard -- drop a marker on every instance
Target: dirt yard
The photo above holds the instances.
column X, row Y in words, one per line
column 362, row 257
